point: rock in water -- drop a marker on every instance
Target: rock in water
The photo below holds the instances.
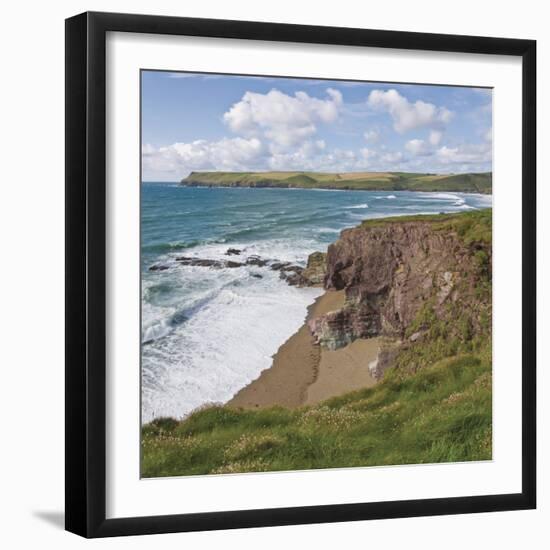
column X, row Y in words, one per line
column 277, row 266
column 200, row 262
column 233, row 252
column 257, row 261
column 203, row 262
column 295, row 275
column 292, row 275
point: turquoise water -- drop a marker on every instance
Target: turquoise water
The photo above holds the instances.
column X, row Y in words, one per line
column 206, row 332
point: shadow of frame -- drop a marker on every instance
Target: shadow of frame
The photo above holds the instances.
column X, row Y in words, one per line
column 55, row 518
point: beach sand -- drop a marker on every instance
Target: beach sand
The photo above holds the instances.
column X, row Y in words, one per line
column 344, row 370
column 303, row 373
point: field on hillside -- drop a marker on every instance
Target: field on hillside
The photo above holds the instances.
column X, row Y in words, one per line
column 395, row 181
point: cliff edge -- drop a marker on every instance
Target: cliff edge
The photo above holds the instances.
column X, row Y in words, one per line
column 423, row 281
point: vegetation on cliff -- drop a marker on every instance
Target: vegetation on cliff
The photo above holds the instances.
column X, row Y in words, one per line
column 471, row 227
column 367, row 181
column 442, row 414
column 434, row 401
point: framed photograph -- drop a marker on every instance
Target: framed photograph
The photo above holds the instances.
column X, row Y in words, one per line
column 300, row 274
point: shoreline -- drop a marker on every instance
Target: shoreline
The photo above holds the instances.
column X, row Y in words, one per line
column 355, row 180
column 302, row 373
column 381, row 190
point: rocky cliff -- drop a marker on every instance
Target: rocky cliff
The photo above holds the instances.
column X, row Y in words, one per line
column 421, row 281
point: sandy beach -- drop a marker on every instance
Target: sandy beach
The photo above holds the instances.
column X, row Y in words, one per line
column 304, row 374
column 343, row 370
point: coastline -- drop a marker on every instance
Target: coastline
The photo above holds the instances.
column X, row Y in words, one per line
column 184, row 371
column 487, row 193
column 371, row 181
column 420, row 280
column 302, row 373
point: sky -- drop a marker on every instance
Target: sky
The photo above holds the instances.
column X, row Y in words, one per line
column 206, row 122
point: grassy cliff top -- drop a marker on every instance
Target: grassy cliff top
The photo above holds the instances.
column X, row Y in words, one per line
column 474, row 226
column 442, row 414
column 373, row 181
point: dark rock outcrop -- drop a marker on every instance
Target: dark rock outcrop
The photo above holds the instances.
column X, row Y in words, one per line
column 203, row 262
column 291, row 273
column 277, row 266
column 257, row 261
column 233, row 264
column 389, row 272
column 293, row 276
column 296, row 275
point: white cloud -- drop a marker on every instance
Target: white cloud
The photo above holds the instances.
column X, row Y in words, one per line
column 435, row 137
column 465, row 154
column 311, row 156
column 406, row 115
column 240, row 154
column 147, row 149
column 418, row 147
column 392, row 160
column 284, row 120
column 276, row 131
column 368, row 154
column 371, row 136
column 178, row 159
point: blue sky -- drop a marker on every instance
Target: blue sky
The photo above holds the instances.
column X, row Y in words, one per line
column 199, row 122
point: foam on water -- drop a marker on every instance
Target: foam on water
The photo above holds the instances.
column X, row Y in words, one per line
column 223, row 345
column 328, row 230
column 443, row 196
column 364, row 205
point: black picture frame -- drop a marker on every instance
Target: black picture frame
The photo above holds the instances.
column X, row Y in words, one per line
column 86, row 274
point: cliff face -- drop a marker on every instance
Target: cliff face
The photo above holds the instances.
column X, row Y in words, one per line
column 402, row 278
column 316, row 270
column 388, row 274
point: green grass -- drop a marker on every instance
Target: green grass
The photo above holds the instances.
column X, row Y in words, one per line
column 374, row 181
column 442, row 414
column 472, row 227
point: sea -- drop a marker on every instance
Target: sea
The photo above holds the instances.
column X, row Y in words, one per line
column 206, row 332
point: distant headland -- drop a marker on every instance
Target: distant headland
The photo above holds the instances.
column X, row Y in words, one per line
column 356, row 181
